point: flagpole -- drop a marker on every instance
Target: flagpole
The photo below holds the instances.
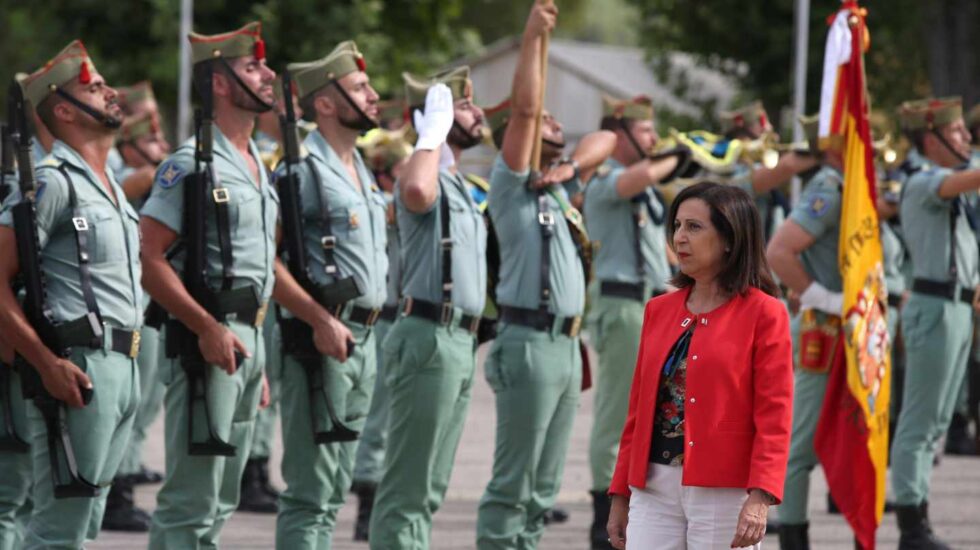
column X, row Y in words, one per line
column 802, row 33
column 184, row 86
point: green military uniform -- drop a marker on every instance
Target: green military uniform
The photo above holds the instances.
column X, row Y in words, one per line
column 201, row 492
column 535, row 372
column 430, row 352
column 818, row 214
column 937, row 321
column 15, row 484
column 318, row 476
column 69, row 190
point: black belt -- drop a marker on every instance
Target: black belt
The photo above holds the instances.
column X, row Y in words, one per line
column 894, row 300
column 389, row 313
column 126, row 342
column 440, row 314
column 540, row 320
column 364, row 315
column 617, row 289
column 942, row 290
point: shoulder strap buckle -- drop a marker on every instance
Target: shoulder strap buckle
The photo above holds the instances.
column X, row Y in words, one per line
column 221, row 195
column 328, row 242
column 546, row 218
column 80, row 223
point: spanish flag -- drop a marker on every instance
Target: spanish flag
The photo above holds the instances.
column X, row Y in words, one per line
column 852, row 434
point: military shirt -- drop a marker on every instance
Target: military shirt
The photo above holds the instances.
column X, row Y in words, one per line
column 357, row 219
column 610, row 221
column 113, row 241
column 926, row 223
column 818, row 213
column 514, row 211
column 421, row 252
column 770, row 213
column 394, row 253
column 893, row 251
column 252, row 212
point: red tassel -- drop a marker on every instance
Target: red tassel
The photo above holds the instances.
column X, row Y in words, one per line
column 739, row 121
column 84, row 76
column 260, row 49
column 361, row 64
column 763, row 121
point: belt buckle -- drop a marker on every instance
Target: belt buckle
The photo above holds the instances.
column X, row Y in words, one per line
column 576, row 326
column 261, row 313
column 220, row 195
column 134, row 345
column 446, row 314
column 373, row 317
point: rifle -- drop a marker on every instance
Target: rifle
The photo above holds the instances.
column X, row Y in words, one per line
column 298, row 336
column 58, row 337
column 181, row 341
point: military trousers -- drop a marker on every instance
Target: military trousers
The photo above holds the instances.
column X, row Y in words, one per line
column 536, row 377
column 370, row 457
column 318, row 476
column 429, row 380
column 615, row 325
column 15, row 482
column 937, row 336
column 99, row 434
column 809, row 389
column 264, row 434
column 151, row 398
column 200, row 493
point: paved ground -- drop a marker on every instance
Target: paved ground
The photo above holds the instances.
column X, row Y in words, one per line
column 955, row 503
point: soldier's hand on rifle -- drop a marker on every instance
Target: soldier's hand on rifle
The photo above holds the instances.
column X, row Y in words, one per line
column 218, row 346
column 543, row 17
column 64, row 381
column 330, row 336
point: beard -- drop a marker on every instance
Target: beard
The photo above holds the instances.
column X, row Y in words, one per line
column 352, row 119
column 464, row 139
column 241, row 99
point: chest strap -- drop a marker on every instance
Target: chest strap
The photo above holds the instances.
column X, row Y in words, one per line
column 222, row 218
column 546, row 222
column 640, row 203
column 80, row 227
column 446, row 246
column 328, row 241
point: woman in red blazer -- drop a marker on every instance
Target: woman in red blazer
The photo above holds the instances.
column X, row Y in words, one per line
column 704, row 450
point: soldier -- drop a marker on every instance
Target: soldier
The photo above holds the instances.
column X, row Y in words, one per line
column 534, row 366
column 624, row 213
column 143, row 148
column 386, row 153
column 803, row 254
column 89, row 243
column 430, row 352
column 937, row 321
column 344, row 215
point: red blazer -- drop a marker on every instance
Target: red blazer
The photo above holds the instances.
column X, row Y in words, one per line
column 739, row 394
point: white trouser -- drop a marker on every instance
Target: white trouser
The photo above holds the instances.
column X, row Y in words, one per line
column 669, row 516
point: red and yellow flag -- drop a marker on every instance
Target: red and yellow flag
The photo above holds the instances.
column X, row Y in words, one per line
column 852, row 435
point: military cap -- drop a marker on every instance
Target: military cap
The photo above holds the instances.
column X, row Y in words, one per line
column 136, row 127
column 926, row 114
column 382, row 149
column 141, row 91
column 245, row 41
column 73, row 62
column 458, row 81
column 743, row 117
column 310, row 76
column 637, row 108
column 973, row 119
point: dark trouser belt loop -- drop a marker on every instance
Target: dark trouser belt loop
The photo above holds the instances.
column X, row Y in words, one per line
column 942, row 289
column 894, row 300
column 439, row 314
column 539, row 320
column 618, row 289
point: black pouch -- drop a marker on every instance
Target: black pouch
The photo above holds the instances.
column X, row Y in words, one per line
column 339, row 292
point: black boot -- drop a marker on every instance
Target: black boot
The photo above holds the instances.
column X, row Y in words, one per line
column 916, row 531
column 146, row 475
column 794, row 537
column 365, row 492
column 555, row 515
column 121, row 514
column 958, row 440
column 267, row 487
column 600, row 517
column 253, row 497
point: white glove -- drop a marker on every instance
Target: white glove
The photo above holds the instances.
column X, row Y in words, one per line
column 816, row 296
column 434, row 124
column 446, row 157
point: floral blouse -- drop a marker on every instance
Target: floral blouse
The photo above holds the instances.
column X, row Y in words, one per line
column 667, row 444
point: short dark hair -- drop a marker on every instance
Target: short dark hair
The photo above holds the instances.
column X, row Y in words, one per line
column 917, row 138
column 736, row 218
column 612, row 123
column 45, row 111
column 199, row 74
